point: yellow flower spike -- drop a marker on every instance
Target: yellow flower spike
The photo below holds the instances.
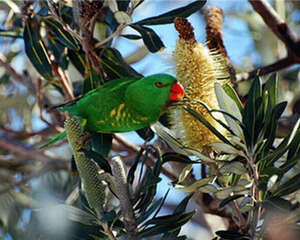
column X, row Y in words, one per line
column 197, row 69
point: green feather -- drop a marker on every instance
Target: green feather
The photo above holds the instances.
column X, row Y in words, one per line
column 123, row 105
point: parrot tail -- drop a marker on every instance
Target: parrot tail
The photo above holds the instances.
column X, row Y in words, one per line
column 66, row 107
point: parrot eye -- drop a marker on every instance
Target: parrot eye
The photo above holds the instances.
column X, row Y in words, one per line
column 159, row 84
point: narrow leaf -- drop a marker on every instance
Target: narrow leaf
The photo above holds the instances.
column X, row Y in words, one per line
column 169, row 17
column 35, row 50
column 62, row 35
column 199, row 117
column 228, row 105
column 150, row 38
column 228, row 200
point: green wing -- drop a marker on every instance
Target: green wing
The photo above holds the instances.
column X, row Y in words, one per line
column 105, row 110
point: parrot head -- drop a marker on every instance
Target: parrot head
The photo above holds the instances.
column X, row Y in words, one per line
column 150, row 95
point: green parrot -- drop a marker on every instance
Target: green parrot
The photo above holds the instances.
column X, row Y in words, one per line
column 126, row 104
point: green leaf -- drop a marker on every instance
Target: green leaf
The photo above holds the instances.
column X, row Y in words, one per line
column 228, row 105
column 165, row 224
column 58, row 52
column 35, row 49
column 232, row 235
column 151, row 210
column 176, row 157
column 150, row 38
column 270, row 124
column 288, row 187
column 295, row 144
column 271, row 88
column 232, row 93
column 184, row 173
column 228, row 200
column 131, row 36
column 62, row 35
column 101, row 143
column 251, row 111
column 179, row 209
column 176, row 145
column 114, row 64
column 169, row 17
column 12, row 34
column 283, row 146
column 277, row 204
column 130, row 176
column 93, row 79
column 57, row 138
column 199, row 117
column 78, row 60
column 225, row 148
column 146, row 133
column 233, row 167
column 193, row 187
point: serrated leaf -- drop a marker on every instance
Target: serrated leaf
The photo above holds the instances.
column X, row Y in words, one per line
column 169, row 17
column 150, row 38
column 35, row 50
column 62, row 35
column 228, row 105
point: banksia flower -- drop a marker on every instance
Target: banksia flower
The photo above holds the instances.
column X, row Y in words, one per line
column 197, row 69
column 87, row 168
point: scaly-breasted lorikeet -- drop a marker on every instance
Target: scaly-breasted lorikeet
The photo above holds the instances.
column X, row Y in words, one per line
column 126, row 104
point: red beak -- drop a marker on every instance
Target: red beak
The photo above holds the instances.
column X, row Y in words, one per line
column 176, row 93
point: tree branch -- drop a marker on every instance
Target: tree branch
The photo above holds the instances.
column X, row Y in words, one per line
column 283, row 32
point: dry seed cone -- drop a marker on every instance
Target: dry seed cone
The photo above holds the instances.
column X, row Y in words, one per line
column 197, row 69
